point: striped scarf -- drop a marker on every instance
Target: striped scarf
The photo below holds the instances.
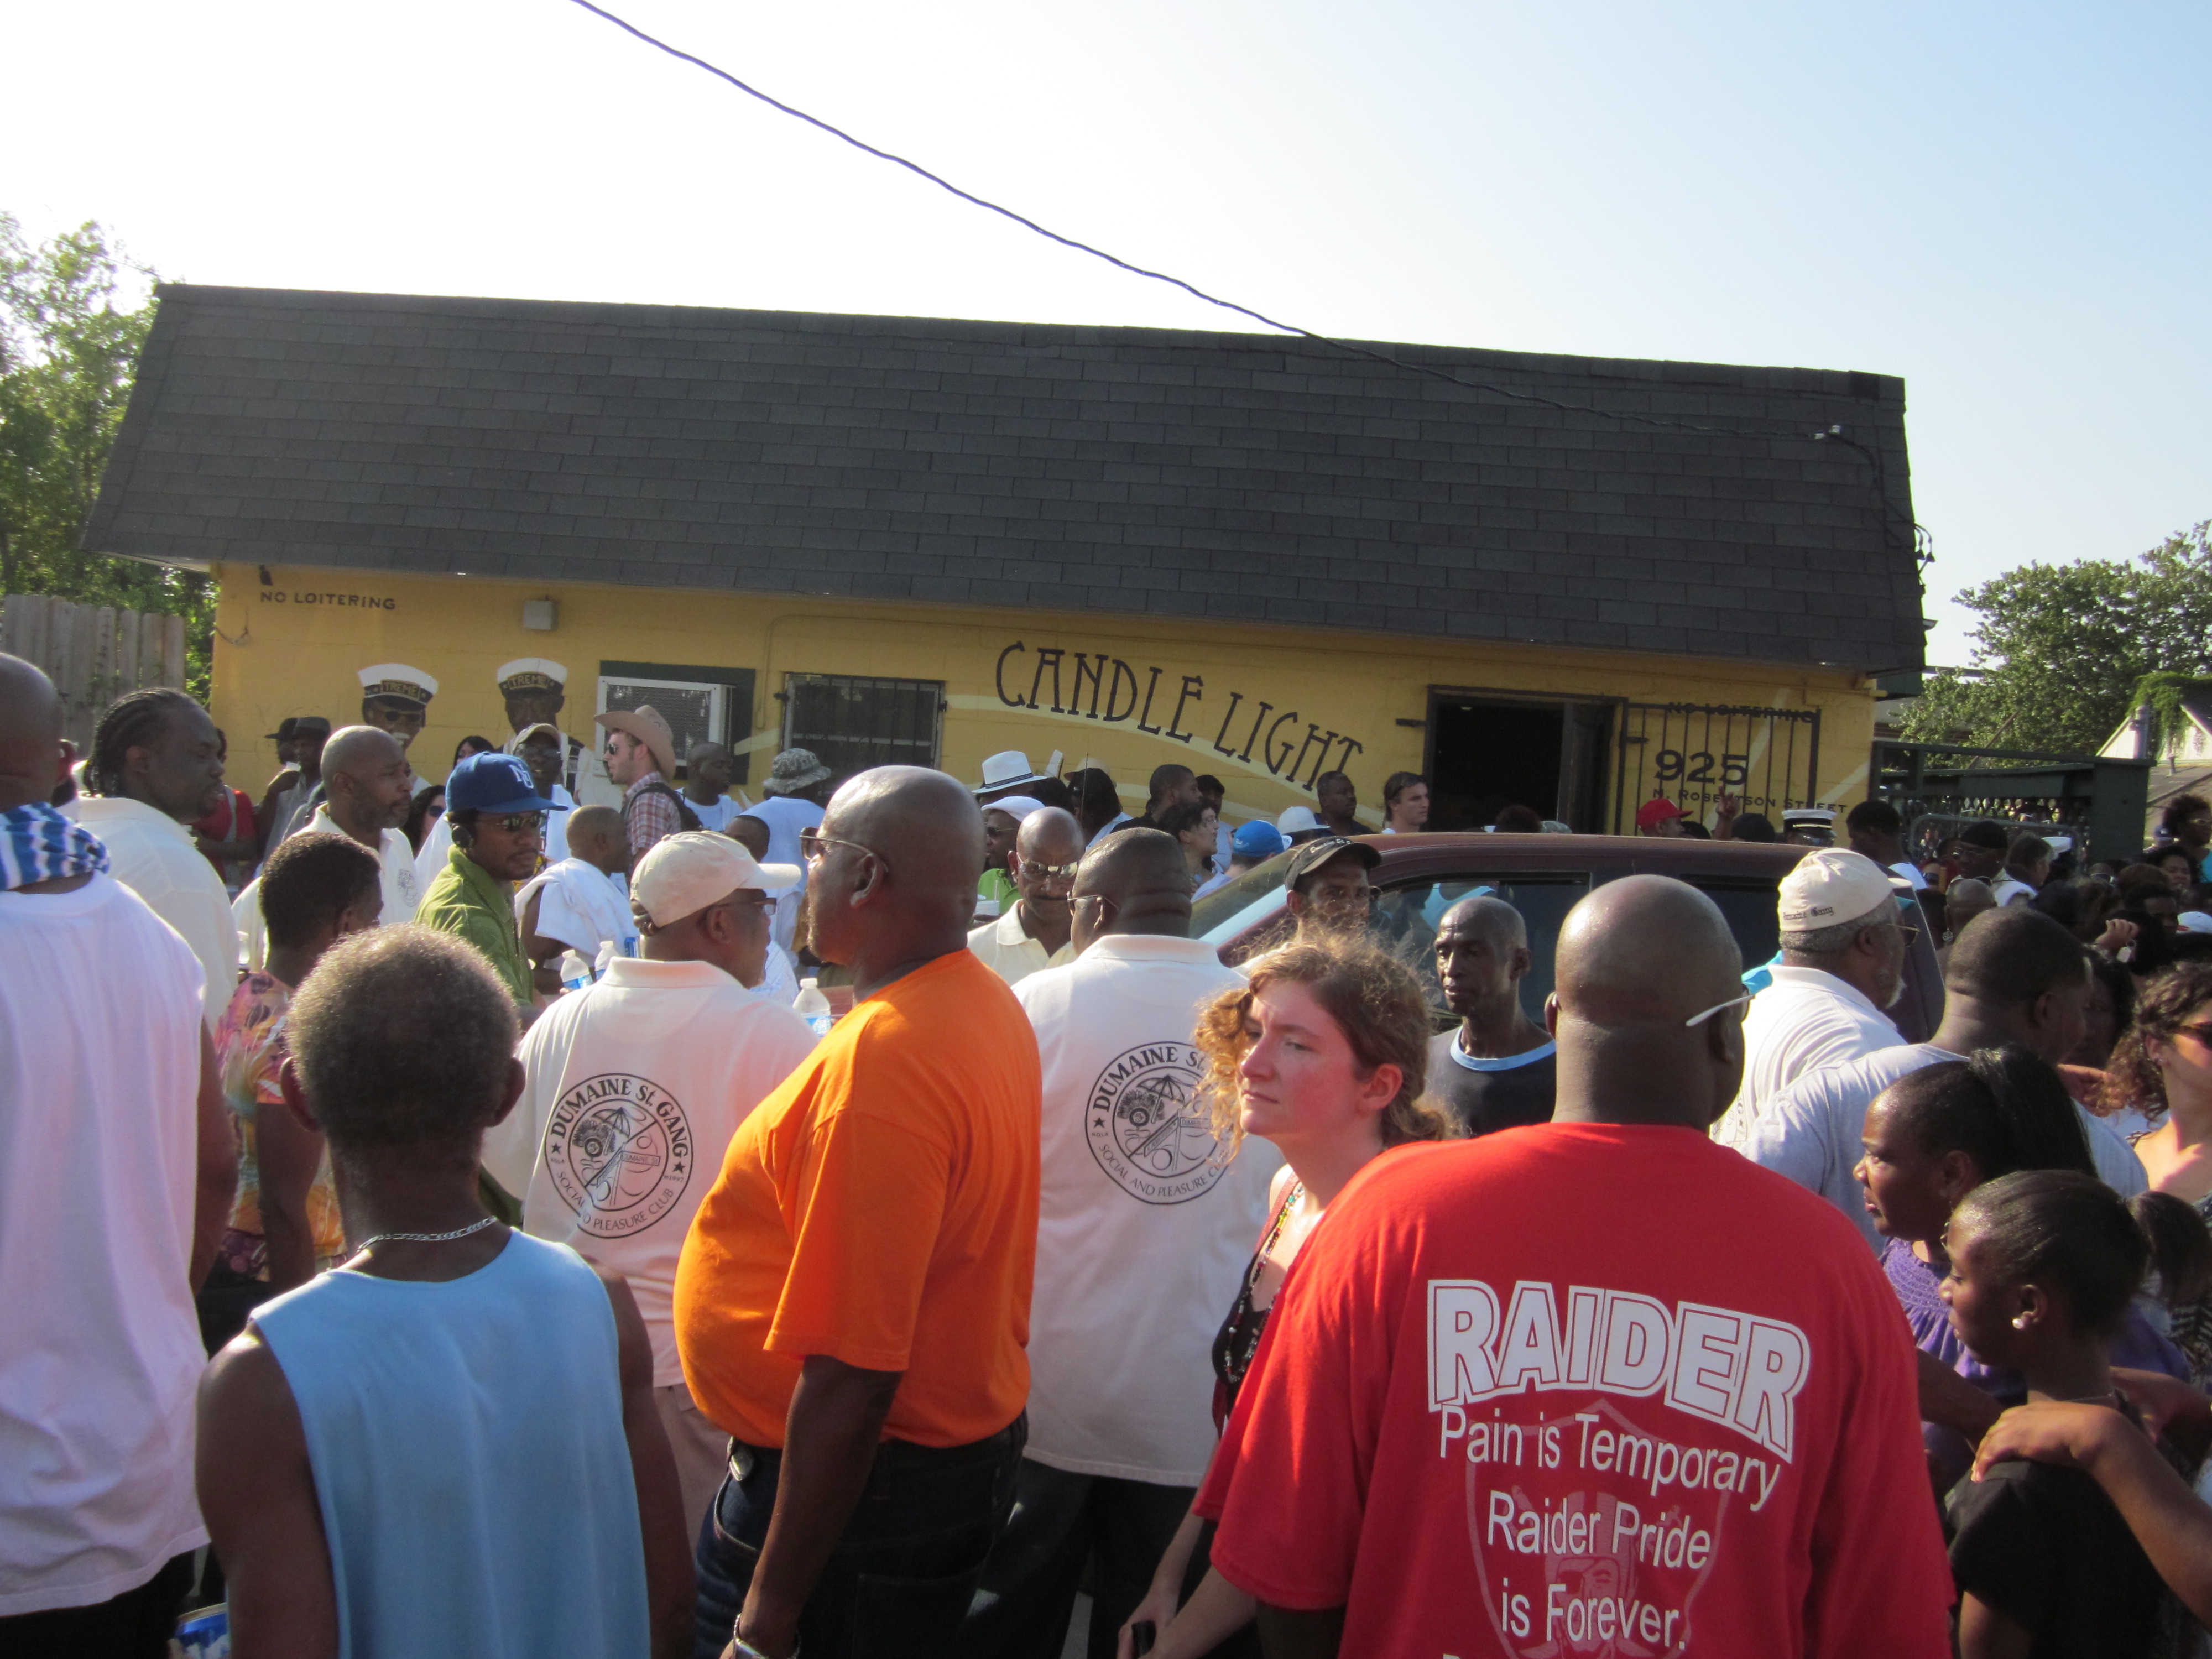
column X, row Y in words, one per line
column 37, row 843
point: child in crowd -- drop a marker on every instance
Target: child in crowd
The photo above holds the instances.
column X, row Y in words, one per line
column 1935, row 1136
column 449, row 1443
column 2045, row 1265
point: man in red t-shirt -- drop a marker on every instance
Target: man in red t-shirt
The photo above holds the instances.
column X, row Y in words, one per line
column 1597, row 1385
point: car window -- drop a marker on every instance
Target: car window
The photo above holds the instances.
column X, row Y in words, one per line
column 1407, row 914
column 1237, row 904
column 1749, row 907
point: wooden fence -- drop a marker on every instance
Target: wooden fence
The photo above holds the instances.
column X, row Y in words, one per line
column 93, row 653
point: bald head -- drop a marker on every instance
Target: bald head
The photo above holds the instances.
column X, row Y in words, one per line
column 750, row 833
column 2009, row 958
column 1486, row 918
column 1136, row 881
column 1050, row 836
column 1638, row 959
column 597, row 836
column 895, row 886
column 360, row 751
column 1965, row 899
column 1645, row 948
column 30, row 734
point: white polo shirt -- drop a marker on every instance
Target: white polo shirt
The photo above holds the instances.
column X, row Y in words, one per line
column 1812, row 1132
column 1143, row 1228
column 1804, row 1021
column 632, row 1090
column 153, row 855
column 403, row 889
column 1012, row 955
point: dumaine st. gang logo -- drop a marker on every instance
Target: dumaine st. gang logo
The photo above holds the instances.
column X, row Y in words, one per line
column 1145, row 1128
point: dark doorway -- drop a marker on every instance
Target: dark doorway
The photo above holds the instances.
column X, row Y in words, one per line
column 1491, row 754
column 1485, row 753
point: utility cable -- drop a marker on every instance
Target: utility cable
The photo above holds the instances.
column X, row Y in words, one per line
column 1345, row 347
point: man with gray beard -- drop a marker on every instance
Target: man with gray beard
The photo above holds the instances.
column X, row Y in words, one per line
column 1843, row 940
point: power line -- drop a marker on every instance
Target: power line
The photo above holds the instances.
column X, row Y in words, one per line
column 1346, row 347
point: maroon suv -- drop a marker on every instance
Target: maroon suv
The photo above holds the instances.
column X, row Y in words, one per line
column 1542, row 877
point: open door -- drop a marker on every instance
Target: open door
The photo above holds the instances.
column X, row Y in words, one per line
column 1488, row 750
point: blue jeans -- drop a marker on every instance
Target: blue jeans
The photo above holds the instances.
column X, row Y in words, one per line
column 901, row 1577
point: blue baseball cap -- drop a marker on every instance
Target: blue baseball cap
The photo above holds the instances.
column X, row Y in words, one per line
column 1257, row 840
column 493, row 782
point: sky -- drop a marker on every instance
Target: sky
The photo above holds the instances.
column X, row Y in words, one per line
column 2007, row 205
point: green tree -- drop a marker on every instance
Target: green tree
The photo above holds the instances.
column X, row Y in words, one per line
column 69, row 347
column 2061, row 648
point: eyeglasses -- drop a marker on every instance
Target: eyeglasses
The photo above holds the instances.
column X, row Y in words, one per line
column 1733, row 1002
column 811, row 841
column 519, row 824
column 1050, row 872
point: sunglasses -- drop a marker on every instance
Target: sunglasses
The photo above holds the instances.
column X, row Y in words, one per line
column 1050, row 872
column 517, row 823
column 1733, row 1002
column 811, row 841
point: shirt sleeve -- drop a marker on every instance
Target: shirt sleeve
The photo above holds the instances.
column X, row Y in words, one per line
column 652, row 819
column 2002, row 1553
column 1879, row 1581
column 1288, row 1483
column 864, row 1203
column 1794, row 1137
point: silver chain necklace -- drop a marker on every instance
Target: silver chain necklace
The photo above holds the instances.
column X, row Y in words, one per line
column 425, row 1239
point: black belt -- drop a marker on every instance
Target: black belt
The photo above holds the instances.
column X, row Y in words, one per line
column 746, row 1459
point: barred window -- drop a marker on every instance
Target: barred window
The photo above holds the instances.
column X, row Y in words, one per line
column 853, row 723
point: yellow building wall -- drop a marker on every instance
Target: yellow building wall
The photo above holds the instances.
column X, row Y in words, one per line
column 294, row 643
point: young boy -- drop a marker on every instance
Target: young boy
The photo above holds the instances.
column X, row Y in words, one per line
column 448, row 1444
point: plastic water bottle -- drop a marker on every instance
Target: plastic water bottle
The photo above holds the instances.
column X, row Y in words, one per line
column 576, row 972
column 607, row 954
column 814, row 1008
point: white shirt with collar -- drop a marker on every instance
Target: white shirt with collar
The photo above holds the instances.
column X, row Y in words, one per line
column 1144, row 1225
column 581, row 905
column 153, row 854
column 1812, row 1132
column 1011, row 954
column 1804, row 1022
column 1109, row 827
column 632, row 1090
column 404, row 888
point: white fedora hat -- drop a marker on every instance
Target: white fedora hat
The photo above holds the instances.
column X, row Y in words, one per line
column 1009, row 769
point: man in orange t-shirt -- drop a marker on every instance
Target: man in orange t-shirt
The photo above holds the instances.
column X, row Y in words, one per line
column 853, row 1303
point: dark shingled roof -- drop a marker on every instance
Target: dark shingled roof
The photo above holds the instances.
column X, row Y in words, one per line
column 1136, row 471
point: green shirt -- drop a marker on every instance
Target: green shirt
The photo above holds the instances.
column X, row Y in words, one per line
column 998, row 884
column 467, row 900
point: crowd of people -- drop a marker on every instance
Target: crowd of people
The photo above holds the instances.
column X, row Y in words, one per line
column 476, row 1245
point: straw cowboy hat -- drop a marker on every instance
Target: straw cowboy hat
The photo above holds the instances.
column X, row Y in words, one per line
column 647, row 725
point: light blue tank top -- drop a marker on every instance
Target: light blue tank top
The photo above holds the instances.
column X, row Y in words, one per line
column 466, row 1440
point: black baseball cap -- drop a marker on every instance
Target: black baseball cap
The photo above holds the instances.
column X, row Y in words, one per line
column 301, row 725
column 1308, row 857
column 1988, row 833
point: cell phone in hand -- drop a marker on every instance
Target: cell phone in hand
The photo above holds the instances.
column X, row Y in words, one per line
column 1142, row 1635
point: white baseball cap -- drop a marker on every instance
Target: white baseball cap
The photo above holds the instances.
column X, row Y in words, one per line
column 1016, row 807
column 682, row 874
column 1293, row 819
column 2194, row 921
column 1831, row 885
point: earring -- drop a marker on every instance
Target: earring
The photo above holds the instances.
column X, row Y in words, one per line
column 2020, row 1322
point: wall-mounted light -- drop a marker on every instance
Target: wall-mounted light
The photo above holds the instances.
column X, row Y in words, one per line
column 540, row 615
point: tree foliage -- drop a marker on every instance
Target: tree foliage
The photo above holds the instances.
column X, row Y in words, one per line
column 2061, row 648
column 69, row 347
